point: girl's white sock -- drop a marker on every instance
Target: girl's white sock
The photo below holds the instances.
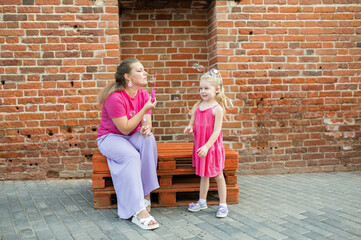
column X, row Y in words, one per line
column 223, row 205
column 202, row 201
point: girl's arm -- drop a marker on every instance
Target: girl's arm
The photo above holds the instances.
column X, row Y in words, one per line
column 126, row 125
column 189, row 128
column 218, row 113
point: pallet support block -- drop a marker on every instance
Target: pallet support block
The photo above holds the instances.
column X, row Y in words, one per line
column 176, row 176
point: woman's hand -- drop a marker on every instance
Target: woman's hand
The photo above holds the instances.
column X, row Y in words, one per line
column 188, row 130
column 145, row 130
column 202, row 151
column 150, row 105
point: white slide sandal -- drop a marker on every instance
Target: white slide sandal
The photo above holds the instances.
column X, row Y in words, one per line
column 144, row 222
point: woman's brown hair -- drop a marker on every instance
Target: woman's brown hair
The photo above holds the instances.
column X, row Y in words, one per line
column 119, row 84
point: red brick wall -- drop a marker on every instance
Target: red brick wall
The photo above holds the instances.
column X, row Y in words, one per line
column 55, row 55
column 292, row 68
column 168, row 42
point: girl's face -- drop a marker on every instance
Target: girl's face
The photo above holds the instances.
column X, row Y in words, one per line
column 207, row 91
column 138, row 74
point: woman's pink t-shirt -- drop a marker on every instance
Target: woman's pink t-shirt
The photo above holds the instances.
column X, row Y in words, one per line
column 120, row 104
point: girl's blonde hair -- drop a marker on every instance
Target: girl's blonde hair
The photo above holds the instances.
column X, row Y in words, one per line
column 119, row 84
column 215, row 79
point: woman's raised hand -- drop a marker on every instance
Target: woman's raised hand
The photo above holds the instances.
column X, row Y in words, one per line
column 150, row 105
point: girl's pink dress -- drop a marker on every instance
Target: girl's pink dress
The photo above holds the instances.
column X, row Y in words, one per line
column 213, row 163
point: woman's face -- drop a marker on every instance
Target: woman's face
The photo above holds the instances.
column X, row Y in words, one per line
column 138, row 75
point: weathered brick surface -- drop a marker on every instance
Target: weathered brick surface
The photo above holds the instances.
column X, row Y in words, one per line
column 54, row 57
column 293, row 69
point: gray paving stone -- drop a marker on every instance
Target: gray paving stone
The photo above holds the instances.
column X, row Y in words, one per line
column 44, row 235
column 214, row 230
column 132, row 235
column 26, row 232
column 293, row 235
column 8, row 231
column 316, row 236
column 307, row 227
column 183, row 233
column 328, row 228
column 298, row 206
column 10, row 237
column 113, row 234
column 95, row 233
column 265, row 237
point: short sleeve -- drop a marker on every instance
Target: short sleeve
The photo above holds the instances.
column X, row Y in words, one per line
column 115, row 106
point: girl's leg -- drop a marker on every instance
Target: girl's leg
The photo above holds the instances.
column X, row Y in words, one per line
column 203, row 191
column 222, row 188
column 204, row 186
column 125, row 168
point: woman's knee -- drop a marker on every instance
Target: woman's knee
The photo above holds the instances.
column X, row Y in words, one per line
column 149, row 140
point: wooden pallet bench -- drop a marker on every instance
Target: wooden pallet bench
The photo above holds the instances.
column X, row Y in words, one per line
column 178, row 183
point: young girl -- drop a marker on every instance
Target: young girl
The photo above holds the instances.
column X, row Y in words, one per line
column 208, row 150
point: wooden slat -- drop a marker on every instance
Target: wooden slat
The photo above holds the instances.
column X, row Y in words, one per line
column 104, row 181
column 179, row 153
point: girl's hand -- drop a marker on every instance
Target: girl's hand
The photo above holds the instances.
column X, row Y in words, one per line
column 188, row 130
column 202, row 151
column 150, row 105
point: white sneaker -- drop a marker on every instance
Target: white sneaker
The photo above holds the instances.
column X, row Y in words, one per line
column 222, row 212
column 195, row 207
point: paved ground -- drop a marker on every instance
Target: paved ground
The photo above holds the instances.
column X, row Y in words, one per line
column 298, row 206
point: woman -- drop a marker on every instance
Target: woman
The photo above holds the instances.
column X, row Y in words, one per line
column 128, row 143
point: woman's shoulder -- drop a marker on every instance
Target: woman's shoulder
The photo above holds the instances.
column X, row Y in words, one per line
column 115, row 96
